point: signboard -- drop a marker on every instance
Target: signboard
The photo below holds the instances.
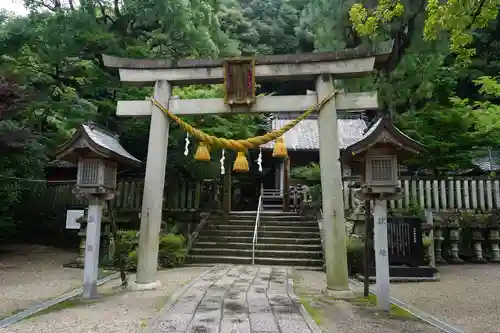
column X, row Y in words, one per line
column 72, row 215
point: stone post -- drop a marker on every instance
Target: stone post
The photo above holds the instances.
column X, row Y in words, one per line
column 331, row 190
column 430, row 222
column 438, row 245
column 494, row 239
column 92, row 245
column 454, row 240
column 152, row 200
column 381, row 254
column 477, row 238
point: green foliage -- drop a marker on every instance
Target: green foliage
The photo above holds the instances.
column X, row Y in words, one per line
column 310, row 172
column 54, row 57
column 455, row 18
column 355, row 254
column 312, row 175
column 171, row 251
column 474, row 124
column 16, row 164
column 130, row 262
column 416, row 210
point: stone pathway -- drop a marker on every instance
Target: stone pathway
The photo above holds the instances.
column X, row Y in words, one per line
column 237, row 299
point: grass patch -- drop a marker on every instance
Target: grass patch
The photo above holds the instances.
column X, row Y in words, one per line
column 103, row 272
column 316, row 313
column 69, row 303
column 395, row 311
column 78, row 300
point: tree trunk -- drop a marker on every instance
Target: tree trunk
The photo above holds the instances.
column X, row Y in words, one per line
column 119, row 248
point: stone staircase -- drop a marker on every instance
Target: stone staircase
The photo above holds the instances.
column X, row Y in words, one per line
column 283, row 239
column 272, row 200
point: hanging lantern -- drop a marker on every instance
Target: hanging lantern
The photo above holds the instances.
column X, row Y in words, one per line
column 241, row 163
column 202, row 153
column 280, row 148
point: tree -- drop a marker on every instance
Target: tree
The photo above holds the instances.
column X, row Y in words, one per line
column 456, row 19
column 454, row 133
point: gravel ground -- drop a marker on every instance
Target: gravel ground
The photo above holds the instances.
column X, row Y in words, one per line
column 117, row 311
column 467, row 297
column 24, row 269
column 344, row 317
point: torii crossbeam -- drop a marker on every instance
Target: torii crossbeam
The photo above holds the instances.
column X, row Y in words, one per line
column 321, row 67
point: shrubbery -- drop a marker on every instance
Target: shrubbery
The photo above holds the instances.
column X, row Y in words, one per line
column 171, row 252
column 355, row 254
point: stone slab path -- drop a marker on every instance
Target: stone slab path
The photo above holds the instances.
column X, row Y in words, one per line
column 237, row 299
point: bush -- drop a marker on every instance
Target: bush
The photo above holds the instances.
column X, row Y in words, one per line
column 355, row 254
column 171, row 251
column 131, row 261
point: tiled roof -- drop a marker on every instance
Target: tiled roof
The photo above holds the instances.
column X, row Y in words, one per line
column 107, row 140
column 61, row 164
column 483, row 163
column 305, row 136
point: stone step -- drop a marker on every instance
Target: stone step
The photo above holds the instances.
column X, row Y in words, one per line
column 270, row 206
column 204, row 259
column 258, row 253
column 264, row 213
column 262, row 233
column 261, row 239
column 234, row 245
column 261, row 228
column 299, row 268
column 270, row 223
column 263, row 218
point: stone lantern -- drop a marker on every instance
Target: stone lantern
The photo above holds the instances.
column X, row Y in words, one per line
column 378, row 153
column 97, row 153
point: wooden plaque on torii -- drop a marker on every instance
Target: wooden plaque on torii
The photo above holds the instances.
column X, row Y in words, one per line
column 239, row 81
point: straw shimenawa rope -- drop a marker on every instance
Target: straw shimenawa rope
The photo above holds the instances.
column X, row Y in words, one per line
column 240, row 145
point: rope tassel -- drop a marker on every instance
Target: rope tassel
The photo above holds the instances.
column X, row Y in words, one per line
column 279, row 149
column 241, row 163
column 202, row 153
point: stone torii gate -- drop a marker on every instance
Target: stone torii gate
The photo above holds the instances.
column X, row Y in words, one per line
column 322, row 67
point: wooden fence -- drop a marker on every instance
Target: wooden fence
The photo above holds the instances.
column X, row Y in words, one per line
column 470, row 193
column 178, row 195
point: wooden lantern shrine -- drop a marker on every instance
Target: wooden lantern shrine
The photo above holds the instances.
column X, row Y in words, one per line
column 379, row 152
column 97, row 153
column 239, row 79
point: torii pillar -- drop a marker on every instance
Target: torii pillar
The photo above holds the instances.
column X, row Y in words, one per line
column 331, row 190
column 320, row 66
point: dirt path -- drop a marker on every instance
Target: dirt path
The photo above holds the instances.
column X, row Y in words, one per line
column 117, row 311
column 30, row 274
column 466, row 297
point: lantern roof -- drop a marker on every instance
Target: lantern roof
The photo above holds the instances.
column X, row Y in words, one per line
column 383, row 132
column 100, row 141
